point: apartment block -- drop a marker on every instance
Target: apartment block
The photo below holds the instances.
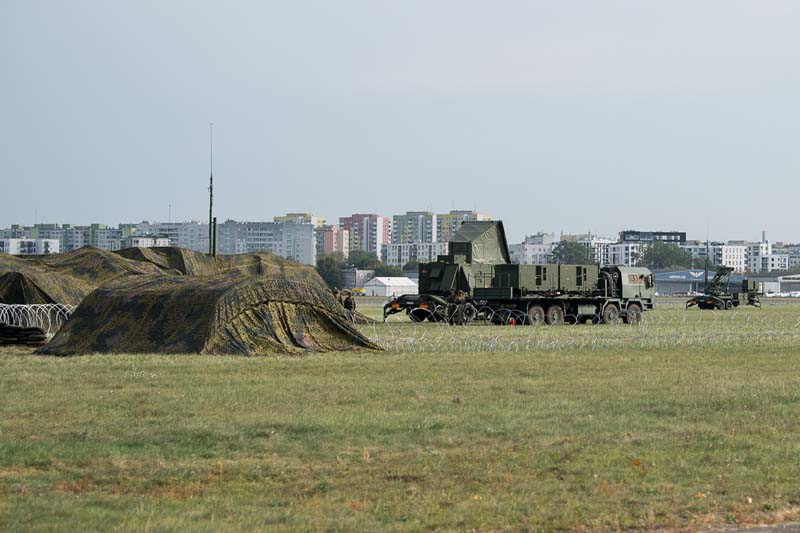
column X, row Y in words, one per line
column 29, row 246
column 447, row 224
column 534, row 250
column 413, row 227
column 400, row 254
column 367, row 232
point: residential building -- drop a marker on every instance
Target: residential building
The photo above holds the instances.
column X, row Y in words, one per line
column 447, row 224
column 330, row 239
column 144, row 241
column 301, row 218
column 674, row 237
column 29, row 246
column 625, row 253
column 367, row 232
column 423, row 252
column 596, row 247
column 734, row 255
column 534, row 250
column 286, row 239
column 413, row 227
column 191, row 235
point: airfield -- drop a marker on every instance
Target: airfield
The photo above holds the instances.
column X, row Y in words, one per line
column 689, row 421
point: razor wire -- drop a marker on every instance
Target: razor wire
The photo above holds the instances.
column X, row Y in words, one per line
column 656, row 331
column 47, row 317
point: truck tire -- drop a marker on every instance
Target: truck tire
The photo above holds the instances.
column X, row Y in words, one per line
column 611, row 314
column 418, row 315
column 535, row 315
column 555, row 315
column 634, row 314
column 729, row 304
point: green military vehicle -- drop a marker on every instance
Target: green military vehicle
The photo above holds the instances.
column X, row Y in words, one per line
column 478, row 281
column 720, row 294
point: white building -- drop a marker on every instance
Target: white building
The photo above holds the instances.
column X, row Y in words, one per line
column 399, row 254
column 624, row 253
column 733, row 255
column 192, row 235
column 386, row 287
column 145, row 241
column 597, row 247
column 29, row 246
column 534, row 250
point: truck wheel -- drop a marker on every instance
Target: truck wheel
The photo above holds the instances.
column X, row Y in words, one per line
column 536, row 315
column 555, row 315
column 611, row 314
column 729, row 304
column 634, row 314
column 418, row 315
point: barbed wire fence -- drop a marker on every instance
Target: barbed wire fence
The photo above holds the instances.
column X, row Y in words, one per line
column 656, row 331
column 48, row 317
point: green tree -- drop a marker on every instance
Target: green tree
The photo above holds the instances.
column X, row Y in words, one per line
column 702, row 263
column 363, row 260
column 570, row 253
column 388, row 271
column 665, row 255
column 329, row 267
column 411, row 266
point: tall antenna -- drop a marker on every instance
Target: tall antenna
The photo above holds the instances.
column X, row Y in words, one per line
column 708, row 256
column 211, row 190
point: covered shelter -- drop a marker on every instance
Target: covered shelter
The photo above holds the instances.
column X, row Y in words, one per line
column 390, row 286
column 255, row 315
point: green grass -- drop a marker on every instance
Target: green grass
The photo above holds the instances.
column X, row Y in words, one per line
column 453, row 428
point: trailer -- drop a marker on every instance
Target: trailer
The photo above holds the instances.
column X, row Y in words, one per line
column 477, row 281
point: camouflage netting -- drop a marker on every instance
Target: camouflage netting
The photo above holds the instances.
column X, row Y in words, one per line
column 170, row 300
column 179, row 260
column 254, row 315
column 26, row 281
column 191, row 263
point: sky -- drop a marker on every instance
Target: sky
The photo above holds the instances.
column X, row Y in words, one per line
column 554, row 116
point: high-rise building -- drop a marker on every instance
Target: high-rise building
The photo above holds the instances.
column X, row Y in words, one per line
column 301, row 218
column 330, row 239
column 414, row 227
column 367, row 232
column 534, row 250
column 29, row 246
column 447, row 224
column 400, row 254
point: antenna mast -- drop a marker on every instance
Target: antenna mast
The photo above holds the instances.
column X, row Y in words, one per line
column 211, row 191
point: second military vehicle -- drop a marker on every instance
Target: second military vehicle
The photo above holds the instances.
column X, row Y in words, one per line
column 477, row 280
column 720, row 294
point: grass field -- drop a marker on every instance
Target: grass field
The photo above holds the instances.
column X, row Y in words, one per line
column 689, row 421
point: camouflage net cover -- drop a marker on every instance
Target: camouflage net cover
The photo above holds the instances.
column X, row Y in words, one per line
column 64, row 278
column 172, row 300
column 255, row 315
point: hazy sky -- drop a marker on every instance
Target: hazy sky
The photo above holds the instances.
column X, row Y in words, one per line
column 550, row 115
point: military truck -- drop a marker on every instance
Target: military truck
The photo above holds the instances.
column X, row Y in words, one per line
column 477, row 280
column 720, row 294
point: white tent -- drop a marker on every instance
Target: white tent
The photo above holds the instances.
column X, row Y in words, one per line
column 382, row 286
